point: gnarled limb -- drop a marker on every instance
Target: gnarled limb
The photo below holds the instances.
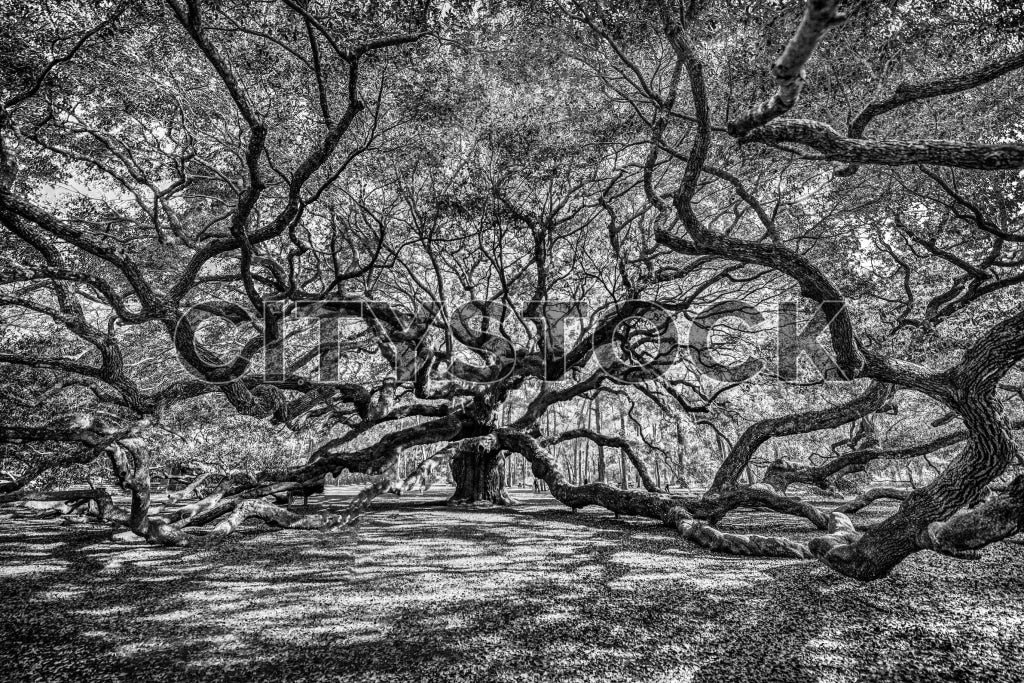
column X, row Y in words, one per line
column 759, row 124
column 780, row 474
column 244, row 505
column 545, row 466
column 700, row 533
column 873, row 399
column 841, row 532
column 674, row 511
column 101, row 507
column 990, row 449
column 419, row 478
column 830, row 145
column 53, row 496
column 192, row 488
column 870, row 496
column 968, row 388
column 266, row 510
column 183, row 514
column 714, row 506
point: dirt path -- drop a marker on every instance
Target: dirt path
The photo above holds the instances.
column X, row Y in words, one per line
column 424, row 592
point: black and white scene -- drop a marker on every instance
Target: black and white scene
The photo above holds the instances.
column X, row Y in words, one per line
column 512, row 341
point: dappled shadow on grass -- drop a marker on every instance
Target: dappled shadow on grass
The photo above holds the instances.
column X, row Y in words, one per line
column 420, row 591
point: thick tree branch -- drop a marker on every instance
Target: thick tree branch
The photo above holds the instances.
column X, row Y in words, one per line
column 788, row 70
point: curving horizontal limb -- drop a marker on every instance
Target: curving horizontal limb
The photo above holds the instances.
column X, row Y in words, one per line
column 264, row 509
column 781, row 474
column 680, row 513
column 233, row 511
column 706, row 536
column 73, row 495
column 192, row 488
column 715, row 506
column 99, row 505
column 870, row 496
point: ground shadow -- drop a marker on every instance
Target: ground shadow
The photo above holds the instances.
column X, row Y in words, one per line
column 536, row 593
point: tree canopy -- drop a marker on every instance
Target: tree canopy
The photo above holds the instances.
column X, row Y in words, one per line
column 290, row 239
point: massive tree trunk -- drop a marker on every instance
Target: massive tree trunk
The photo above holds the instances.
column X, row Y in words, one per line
column 478, row 468
column 990, row 449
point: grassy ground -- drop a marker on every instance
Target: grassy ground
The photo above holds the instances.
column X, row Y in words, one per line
column 424, row 592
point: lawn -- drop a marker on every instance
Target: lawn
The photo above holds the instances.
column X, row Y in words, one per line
column 424, row 592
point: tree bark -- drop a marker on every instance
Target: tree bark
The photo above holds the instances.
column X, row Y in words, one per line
column 478, row 468
column 602, row 474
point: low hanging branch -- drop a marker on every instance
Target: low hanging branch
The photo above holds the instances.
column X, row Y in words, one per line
column 700, row 533
column 237, row 498
column 781, row 474
column 678, row 512
column 715, row 506
column 240, row 509
column 192, row 487
column 274, row 515
column 71, row 496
